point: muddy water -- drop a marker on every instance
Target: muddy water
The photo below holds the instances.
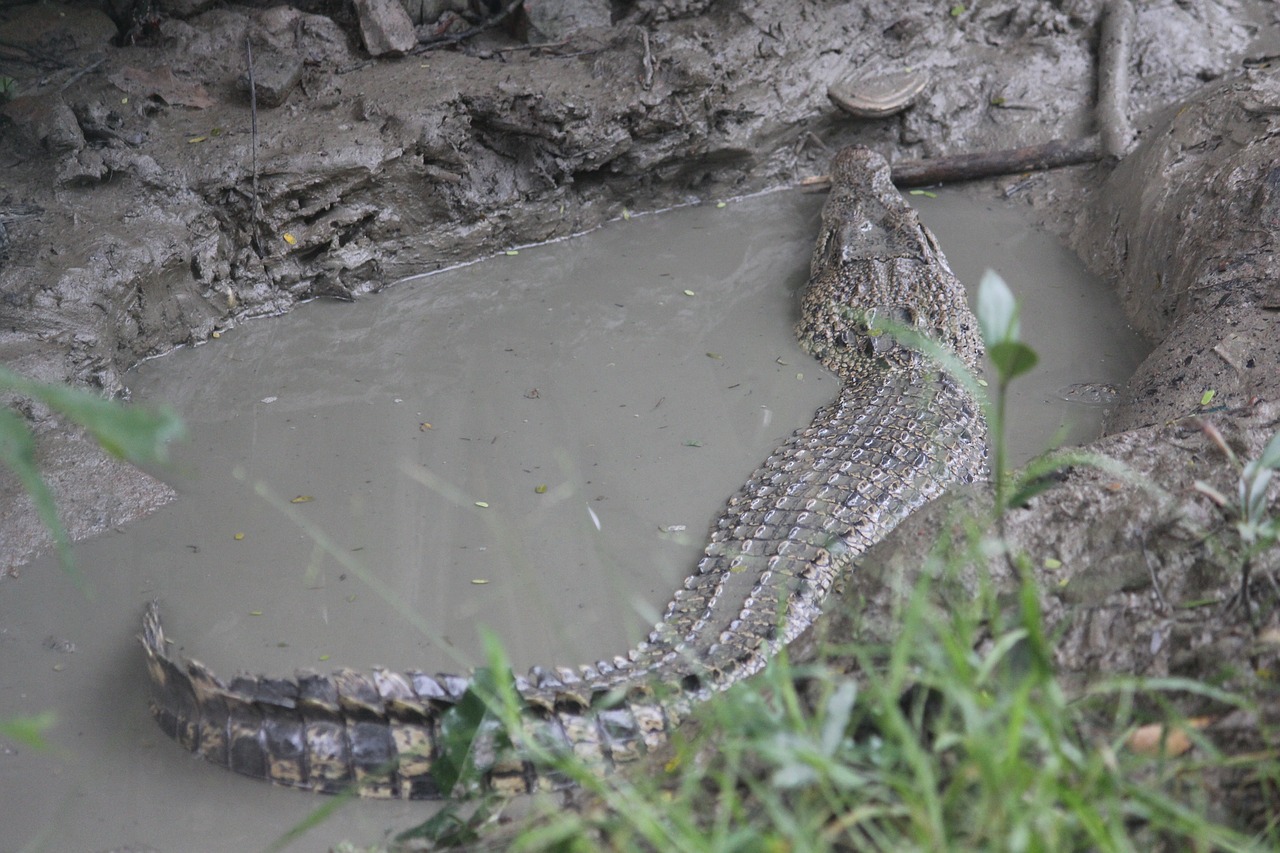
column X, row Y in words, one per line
column 638, row 374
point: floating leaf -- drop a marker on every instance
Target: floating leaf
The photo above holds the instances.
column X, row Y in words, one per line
column 513, row 251
column 721, row 204
column 193, row 140
column 301, row 499
column 482, row 504
column 479, row 581
column 689, row 293
column 925, row 193
column 255, row 612
column 239, row 537
column 540, row 489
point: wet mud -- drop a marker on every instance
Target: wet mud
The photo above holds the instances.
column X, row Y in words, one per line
column 135, row 221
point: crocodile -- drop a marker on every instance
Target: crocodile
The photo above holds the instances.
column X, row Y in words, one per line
column 900, row 432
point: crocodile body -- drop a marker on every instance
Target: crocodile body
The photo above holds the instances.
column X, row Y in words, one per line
column 899, row 433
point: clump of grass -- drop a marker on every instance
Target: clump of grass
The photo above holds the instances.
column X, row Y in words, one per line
column 952, row 737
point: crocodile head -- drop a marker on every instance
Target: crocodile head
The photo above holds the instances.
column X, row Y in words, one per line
column 875, row 268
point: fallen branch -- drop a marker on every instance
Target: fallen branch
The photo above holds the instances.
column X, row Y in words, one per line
column 93, row 66
column 969, row 167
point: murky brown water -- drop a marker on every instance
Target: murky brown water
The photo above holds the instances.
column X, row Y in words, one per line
column 582, row 366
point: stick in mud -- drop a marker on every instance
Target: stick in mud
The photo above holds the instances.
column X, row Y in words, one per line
column 255, row 206
column 1114, row 48
column 987, row 164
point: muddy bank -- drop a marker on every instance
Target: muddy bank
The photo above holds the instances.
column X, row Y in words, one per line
column 1138, row 576
column 135, row 223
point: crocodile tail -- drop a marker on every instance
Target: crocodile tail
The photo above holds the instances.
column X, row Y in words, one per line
column 380, row 733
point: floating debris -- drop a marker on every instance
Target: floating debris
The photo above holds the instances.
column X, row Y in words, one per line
column 59, row 644
column 1089, row 393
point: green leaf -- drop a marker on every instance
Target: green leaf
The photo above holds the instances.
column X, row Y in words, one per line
column 447, row 828
column 1028, row 488
column 1270, row 456
column 1012, row 359
column 997, row 310
column 839, row 711
column 29, row 731
column 467, row 725
column 18, row 453
column 138, row 434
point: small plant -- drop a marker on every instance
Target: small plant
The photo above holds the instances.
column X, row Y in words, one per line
column 1254, row 524
column 998, row 318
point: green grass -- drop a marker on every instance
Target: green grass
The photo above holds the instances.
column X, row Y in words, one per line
column 954, row 736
